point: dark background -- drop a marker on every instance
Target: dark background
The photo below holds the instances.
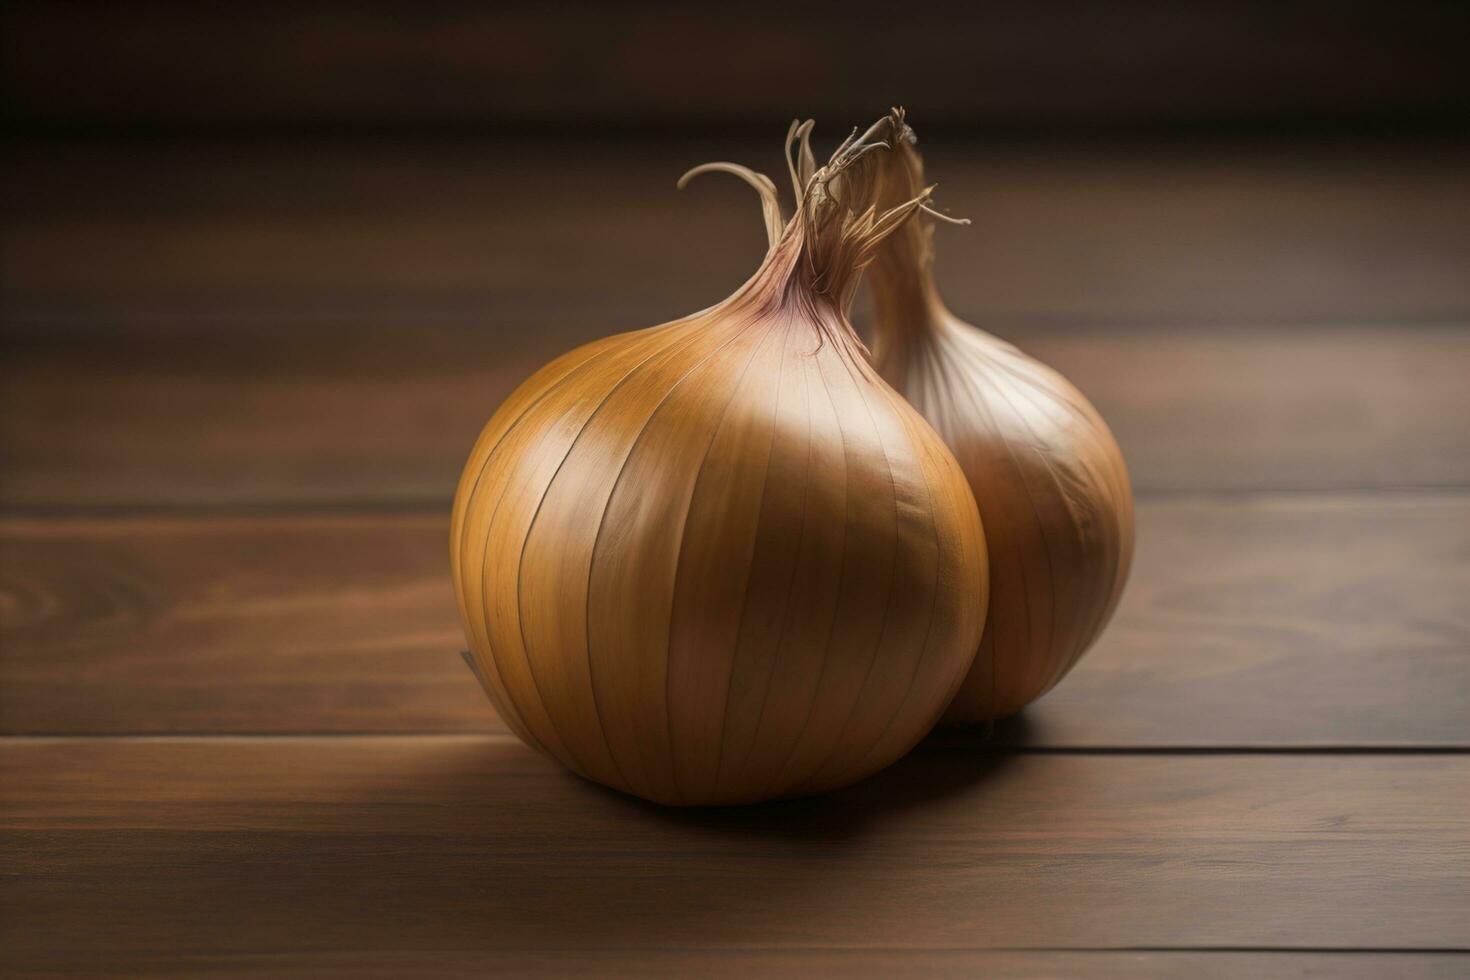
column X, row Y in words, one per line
column 1053, row 67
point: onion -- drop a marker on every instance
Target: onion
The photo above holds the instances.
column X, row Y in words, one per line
column 719, row 560
column 1049, row 479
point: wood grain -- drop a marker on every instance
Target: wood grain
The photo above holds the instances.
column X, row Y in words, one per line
column 122, row 848
column 364, row 415
column 515, row 235
column 1281, row 621
column 250, row 624
column 1273, row 621
column 229, row 323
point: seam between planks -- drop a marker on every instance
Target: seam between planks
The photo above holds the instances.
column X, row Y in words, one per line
column 937, row 747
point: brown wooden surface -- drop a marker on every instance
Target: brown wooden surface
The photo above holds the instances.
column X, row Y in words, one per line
column 192, row 325
column 385, row 416
column 1258, row 622
column 238, row 385
column 592, row 236
column 180, row 846
column 742, row 963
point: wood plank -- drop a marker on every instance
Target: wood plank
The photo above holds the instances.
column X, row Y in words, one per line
column 518, row 235
column 742, row 963
column 1281, row 621
column 1050, row 62
column 1257, row 621
column 252, row 624
column 124, row 847
column 387, row 415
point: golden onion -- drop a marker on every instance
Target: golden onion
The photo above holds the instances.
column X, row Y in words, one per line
column 719, row 560
column 1048, row 477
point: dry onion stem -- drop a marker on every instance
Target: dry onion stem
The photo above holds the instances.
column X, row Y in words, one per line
column 719, row 560
column 1049, row 479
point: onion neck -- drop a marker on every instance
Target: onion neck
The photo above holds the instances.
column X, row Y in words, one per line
column 804, row 266
column 862, row 204
column 906, row 303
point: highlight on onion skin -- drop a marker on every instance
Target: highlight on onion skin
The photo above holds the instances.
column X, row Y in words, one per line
column 1049, row 479
column 720, row 560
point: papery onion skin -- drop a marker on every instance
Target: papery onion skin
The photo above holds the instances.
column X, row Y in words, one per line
column 720, row 561
column 1047, row 474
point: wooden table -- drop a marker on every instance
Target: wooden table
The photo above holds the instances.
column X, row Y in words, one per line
column 238, row 738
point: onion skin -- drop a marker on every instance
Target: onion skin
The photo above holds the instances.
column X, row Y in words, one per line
column 720, row 561
column 1049, row 478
